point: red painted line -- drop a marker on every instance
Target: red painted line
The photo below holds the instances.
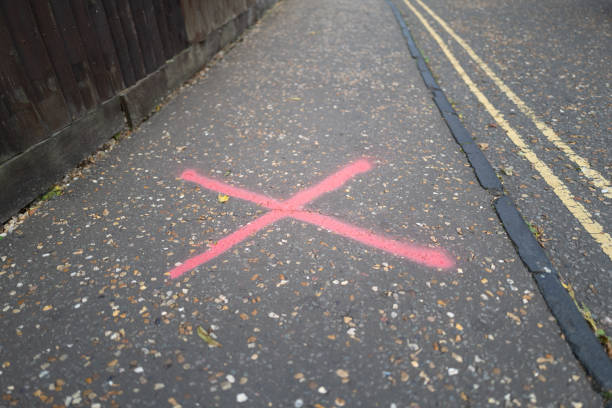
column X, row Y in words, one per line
column 227, row 242
column 329, row 184
column 293, row 207
column 237, row 192
column 432, row 257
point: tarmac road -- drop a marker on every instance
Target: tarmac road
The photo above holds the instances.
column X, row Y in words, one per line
column 550, row 64
column 351, row 257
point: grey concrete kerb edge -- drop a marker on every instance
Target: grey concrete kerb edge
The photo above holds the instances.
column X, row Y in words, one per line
column 577, row 333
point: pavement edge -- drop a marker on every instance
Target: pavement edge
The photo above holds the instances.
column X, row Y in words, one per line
column 578, row 334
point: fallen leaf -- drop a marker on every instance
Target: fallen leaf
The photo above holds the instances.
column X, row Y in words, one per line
column 548, row 359
column 342, row 373
column 206, row 337
column 222, row 198
column 514, row 317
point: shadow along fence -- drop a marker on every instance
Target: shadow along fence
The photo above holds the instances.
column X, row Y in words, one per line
column 64, row 60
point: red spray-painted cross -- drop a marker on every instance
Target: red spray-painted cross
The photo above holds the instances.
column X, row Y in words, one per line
column 294, row 208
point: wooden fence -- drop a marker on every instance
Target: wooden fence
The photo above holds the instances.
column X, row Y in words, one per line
column 65, row 60
column 62, row 58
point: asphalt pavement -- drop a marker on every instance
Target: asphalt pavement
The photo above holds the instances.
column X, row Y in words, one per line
column 297, row 227
column 555, row 57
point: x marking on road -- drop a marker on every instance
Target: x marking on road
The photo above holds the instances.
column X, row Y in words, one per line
column 294, row 208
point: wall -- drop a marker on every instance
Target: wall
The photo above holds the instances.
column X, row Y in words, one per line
column 75, row 72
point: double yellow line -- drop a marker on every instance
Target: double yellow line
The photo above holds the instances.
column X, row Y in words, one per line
column 560, row 189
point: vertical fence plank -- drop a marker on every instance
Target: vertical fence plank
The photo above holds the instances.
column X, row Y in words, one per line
column 92, row 50
column 176, row 25
column 119, row 42
column 8, row 135
column 144, row 34
column 102, row 30
column 220, row 12
column 191, row 18
column 129, row 30
column 162, row 25
column 154, row 36
column 75, row 52
column 238, row 7
column 57, row 52
column 21, row 124
column 45, row 92
column 6, row 151
column 61, row 58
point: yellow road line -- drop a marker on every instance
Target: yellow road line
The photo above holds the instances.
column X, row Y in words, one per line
column 596, row 178
column 578, row 211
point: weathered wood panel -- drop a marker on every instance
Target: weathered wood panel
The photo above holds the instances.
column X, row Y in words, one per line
column 44, row 90
column 75, row 52
column 17, row 112
column 119, row 42
column 62, row 58
column 67, row 66
column 155, row 40
column 57, row 52
column 144, row 35
column 162, row 25
column 101, row 26
column 202, row 17
column 129, row 31
column 93, row 51
column 176, row 25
